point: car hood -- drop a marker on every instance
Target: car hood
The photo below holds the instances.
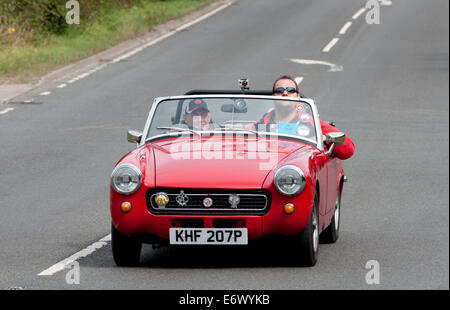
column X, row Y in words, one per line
column 219, row 162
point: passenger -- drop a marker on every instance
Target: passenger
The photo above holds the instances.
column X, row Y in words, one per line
column 197, row 115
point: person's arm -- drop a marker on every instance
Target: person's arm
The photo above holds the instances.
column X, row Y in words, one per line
column 340, row 151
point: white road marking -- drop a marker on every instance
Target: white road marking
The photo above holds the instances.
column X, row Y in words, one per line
column 203, row 17
column 62, row 86
column 46, row 93
column 298, row 79
column 358, row 13
column 385, row 2
column 330, row 45
column 141, row 48
column 83, row 253
column 345, row 28
column 6, row 111
column 333, row 67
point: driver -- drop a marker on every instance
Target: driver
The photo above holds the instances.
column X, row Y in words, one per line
column 197, row 115
column 284, row 111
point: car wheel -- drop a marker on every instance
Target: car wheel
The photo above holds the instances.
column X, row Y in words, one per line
column 126, row 250
column 331, row 233
column 307, row 242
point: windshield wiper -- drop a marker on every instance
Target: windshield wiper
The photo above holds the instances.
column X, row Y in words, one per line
column 179, row 129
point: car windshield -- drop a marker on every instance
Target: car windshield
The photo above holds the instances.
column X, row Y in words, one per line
column 207, row 115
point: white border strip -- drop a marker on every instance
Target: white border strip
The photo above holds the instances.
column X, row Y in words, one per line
column 153, row 42
column 141, row 48
column 83, row 253
column 220, row 8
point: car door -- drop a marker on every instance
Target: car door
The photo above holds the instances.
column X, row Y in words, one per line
column 331, row 182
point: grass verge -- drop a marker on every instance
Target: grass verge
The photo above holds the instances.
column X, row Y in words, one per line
column 22, row 61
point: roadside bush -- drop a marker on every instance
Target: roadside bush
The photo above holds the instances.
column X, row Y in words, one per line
column 28, row 20
column 35, row 38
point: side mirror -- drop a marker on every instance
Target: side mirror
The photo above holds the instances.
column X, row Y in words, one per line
column 134, row 136
column 335, row 138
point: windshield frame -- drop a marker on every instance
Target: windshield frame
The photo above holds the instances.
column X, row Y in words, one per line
column 318, row 143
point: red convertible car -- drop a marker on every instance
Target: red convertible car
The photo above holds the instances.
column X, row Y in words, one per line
column 206, row 172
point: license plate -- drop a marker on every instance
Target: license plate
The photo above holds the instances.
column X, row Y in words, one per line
column 204, row 236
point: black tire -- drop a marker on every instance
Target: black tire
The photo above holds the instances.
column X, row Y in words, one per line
column 306, row 244
column 126, row 250
column 331, row 233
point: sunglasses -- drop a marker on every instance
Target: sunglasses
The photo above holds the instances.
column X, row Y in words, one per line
column 281, row 90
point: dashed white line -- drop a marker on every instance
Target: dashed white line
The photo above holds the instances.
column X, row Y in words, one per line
column 330, row 45
column 62, row 85
column 345, row 28
column 358, row 13
column 6, row 111
column 46, row 93
column 83, row 253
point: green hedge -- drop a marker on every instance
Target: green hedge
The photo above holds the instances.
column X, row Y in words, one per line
column 32, row 19
column 35, row 39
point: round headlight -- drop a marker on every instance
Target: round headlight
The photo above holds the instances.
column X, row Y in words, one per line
column 290, row 180
column 126, row 179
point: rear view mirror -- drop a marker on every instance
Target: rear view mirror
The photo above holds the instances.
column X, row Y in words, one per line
column 134, row 136
column 239, row 106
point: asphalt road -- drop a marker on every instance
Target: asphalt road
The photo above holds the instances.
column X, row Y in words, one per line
column 391, row 98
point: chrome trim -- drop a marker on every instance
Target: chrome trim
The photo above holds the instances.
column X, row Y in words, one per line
column 132, row 167
column 134, row 136
column 212, row 209
column 330, row 150
column 299, row 171
column 337, row 138
column 206, row 133
column 158, row 100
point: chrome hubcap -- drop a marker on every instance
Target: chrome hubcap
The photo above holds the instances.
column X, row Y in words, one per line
column 315, row 225
column 336, row 213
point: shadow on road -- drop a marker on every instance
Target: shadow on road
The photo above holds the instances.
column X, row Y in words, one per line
column 258, row 254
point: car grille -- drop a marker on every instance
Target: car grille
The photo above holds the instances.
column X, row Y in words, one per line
column 251, row 202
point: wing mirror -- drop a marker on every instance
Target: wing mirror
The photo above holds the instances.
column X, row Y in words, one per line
column 334, row 138
column 134, row 136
